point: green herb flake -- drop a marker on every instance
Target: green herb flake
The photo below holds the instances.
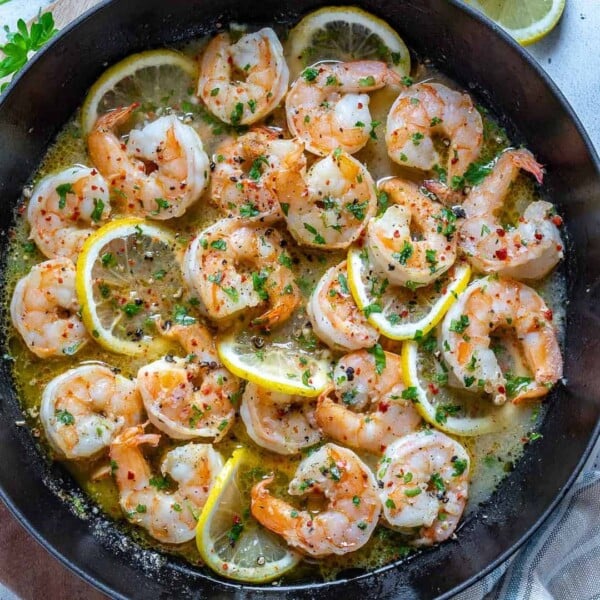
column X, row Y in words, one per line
column 64, row 417
column 379, row 355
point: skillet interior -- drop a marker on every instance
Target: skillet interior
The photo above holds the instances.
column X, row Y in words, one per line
column 468, row 50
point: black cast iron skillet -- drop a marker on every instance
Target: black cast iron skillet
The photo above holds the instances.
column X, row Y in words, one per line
column 501, row 76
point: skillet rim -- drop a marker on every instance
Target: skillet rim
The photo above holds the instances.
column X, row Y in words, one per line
column 594, row 155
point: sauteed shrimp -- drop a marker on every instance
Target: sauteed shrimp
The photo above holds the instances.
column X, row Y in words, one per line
column 279, row 422
column 83, row 409
column 159, row 172
column 528, row 251
column 345, row 525
column 64, row 209
column 186, row 400
column 488, row 304
column 235, row 266
column 425, row 478
column 196, row 339
column 408, row 242
column 334, row 315
column 329, row 207
column 243, row 169
column 425, row 110
column 327, row 107
column 169, row 517
column 45, row 310
column 365, row 407
column 243, row 82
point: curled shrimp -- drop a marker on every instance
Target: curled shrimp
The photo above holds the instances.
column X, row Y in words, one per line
column 235, row 266
column 169, row 517
column 159, row 172
column 196, row 339
column 365, row 407
column 425, row 477
column 45, row 310
column 279, row 422
column 83, row 409
column 329, row 206
column 186, row 400
column 528, row 251
column 428, row 109
column 243, row 169
column 352, row 511
column 327, row 107
column 64, row 209
column 489, row 304
column 243, row 82
column 409, row 242
column 334, row 315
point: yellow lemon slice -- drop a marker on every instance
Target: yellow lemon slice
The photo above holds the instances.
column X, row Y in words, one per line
column 279, row 366
column 450, row 409
column 231, row 542
column 400, row 313
column 528, row 21
column 344, row 33
column 157, row 79
column 127, row 278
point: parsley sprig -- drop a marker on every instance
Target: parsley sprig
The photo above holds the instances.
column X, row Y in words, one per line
column 21, row 43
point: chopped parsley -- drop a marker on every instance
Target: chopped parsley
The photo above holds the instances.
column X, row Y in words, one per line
column 64, row 417
column 379, row 356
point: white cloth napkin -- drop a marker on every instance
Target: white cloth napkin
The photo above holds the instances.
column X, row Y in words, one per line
column 562, row 560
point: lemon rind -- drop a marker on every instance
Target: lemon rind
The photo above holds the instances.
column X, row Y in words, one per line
column 125, row 68
column 460, row 426
column 409, row 330
column 281, row 384
column 84, row 284
column 205, row 548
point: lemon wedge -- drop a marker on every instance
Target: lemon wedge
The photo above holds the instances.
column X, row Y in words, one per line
column 528, row 21
column 277, row 366
column 230, row 541
column 398, row 312
column 451, row 410
column 344, row 33
column 127, row 278
column 142, row 78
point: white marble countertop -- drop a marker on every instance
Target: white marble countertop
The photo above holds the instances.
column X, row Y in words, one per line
column 570, row 55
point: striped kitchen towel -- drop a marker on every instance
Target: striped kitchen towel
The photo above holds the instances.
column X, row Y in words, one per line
column 562, row 560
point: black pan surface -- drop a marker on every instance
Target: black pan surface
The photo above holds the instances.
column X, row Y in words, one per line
column 502, row 77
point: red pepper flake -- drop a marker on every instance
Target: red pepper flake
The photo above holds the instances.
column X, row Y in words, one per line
column 501, row 254
column 502, row 389
column 396, row 234
column 539, row 236
column 557, row 220
column 548, row 314
column 434, row 389
column 130, row 475
column 236, row 519
column 383, row 406
column 500, row 231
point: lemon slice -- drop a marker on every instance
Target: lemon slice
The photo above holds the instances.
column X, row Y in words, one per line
column 398, row 312
column 157, row 79
column 230, row 541
column 454, row 411
column 128, row 278
column 528, row 21
column 344, row 33
column 279, row 366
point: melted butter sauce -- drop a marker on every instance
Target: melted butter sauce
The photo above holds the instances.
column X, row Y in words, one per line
column 492, row 455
